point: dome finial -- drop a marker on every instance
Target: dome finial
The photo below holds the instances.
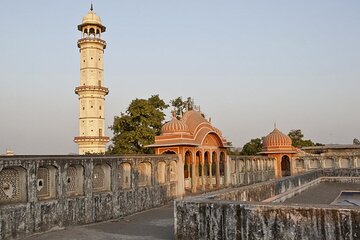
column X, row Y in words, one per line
column 91, row 7
column 173, row 113
column 274, row 125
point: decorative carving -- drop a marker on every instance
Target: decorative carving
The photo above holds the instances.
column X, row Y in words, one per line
column 101, row 178
column 12, row 185
column 46, row 182
column 75, row 180
column 43, row 180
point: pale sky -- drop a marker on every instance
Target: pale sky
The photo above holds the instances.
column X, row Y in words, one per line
column 248, row 64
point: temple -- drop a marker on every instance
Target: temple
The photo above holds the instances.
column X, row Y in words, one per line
column 279, row 146
column 200, row 147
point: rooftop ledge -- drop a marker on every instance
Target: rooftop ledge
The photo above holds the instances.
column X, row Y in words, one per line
column 90, row 138
column 91, row 39
column 91, row 88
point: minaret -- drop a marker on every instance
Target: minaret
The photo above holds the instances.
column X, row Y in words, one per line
column 91, row 91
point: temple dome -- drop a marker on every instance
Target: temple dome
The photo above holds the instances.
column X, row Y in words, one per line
column 218, row 131
column 174, row 126
column 276, row 139
column 193, row 119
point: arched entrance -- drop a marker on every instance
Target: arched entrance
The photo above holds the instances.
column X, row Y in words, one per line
column 188, row 165
column 285, row 166
column 198, row 163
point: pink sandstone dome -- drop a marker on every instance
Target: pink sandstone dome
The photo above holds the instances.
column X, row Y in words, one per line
column 277, row 139
column 193, row 119
column 174, row 126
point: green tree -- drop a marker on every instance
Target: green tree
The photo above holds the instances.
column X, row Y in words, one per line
column 181, row 105
column 138, row 126
column 297, row 139
column 252, row 147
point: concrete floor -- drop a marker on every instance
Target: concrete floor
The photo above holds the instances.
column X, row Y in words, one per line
column 153, row 224
column 323, row 193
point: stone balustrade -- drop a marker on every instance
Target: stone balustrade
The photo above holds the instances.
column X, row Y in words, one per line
column 38, row 193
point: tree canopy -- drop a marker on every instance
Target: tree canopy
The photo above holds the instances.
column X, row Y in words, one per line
column 181, row 105
column 138, row 126
column 252, row 147
column 297, row 139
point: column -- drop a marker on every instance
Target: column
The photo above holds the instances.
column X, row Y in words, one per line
column 227, row 166
column 217, row 162
column 210, row 171
column 180, row 176
column 193, row 174
column 202, row 162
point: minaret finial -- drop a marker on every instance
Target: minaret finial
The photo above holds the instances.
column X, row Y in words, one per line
column 91, row 7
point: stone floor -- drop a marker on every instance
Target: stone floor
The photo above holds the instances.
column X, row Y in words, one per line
column 153, row 224
column 323, row 193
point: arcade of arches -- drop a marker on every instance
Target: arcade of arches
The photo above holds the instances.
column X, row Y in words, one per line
column 201, row 147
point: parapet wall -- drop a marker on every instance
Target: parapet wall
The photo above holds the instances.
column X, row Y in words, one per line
column 244, row 170
column 334, row 161
column 38, row 193
column 238, row 213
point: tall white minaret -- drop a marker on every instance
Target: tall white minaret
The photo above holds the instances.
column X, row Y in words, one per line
column 91, row 91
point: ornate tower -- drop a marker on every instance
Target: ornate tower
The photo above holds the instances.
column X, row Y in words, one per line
column 91, row 91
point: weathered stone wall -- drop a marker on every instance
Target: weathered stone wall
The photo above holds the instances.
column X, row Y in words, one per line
column 246, row 170
column 236, row 220
column 267, row 189
column 340, row 160
column 70, row 190
column 231, row 214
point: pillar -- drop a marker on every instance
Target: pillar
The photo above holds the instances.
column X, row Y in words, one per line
column 180, row 176
column 227, row 177
column 210, row 171
column 193, row 173
column 202, row 162
column 217, row 176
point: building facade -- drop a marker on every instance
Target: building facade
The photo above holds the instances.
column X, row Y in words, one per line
column 201, row 149
column 91, row 138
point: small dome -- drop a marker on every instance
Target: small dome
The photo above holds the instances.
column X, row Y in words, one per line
column 91, row 18
column 174, row 126
column 276, row 139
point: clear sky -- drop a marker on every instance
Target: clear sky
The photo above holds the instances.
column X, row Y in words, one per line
column 246, row 63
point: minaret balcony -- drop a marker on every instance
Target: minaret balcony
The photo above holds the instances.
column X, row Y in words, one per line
column 92, row 139
column 91, row 88
column 91, row 40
